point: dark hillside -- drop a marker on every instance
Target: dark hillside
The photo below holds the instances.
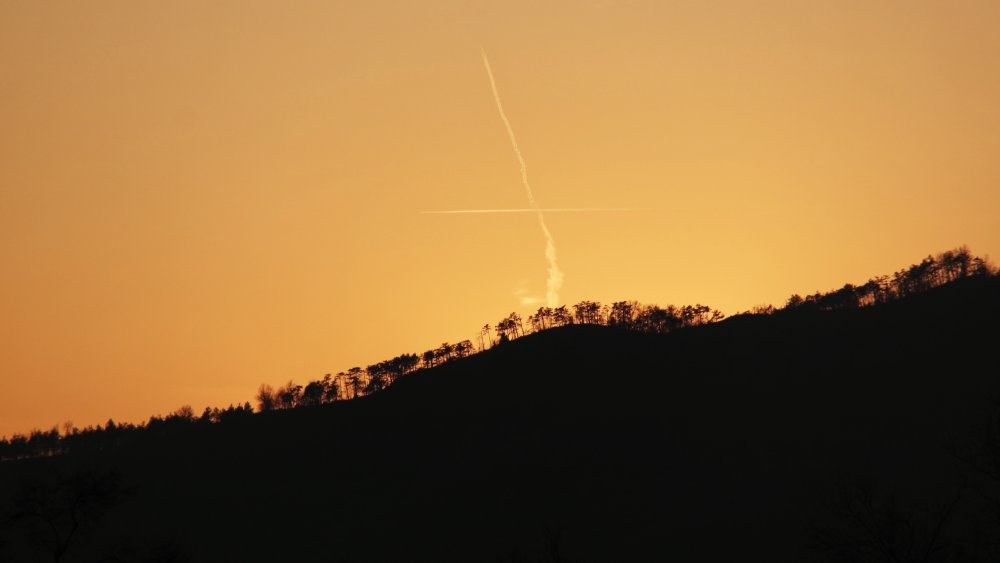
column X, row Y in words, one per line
column 724, row 442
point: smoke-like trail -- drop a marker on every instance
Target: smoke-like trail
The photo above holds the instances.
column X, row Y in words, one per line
column 534, row 210
column 555, row 279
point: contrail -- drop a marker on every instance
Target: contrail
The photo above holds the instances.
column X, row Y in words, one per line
column 555, row 279
column 536, row 210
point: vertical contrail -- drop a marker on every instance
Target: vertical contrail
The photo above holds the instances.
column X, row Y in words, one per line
column 555, row 279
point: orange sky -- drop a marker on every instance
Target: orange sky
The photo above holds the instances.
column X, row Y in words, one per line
column 197, row 197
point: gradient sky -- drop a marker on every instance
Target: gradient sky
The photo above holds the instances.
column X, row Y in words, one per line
column 197, row 197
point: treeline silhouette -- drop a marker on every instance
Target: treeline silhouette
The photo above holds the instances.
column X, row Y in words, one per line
column 46, row 443
column 358, row 381
column 931, row 272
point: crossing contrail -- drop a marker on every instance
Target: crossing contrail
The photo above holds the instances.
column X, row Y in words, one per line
column 555, row 279
column 534, row 210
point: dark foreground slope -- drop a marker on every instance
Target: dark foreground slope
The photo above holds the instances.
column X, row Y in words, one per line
column 729, row 442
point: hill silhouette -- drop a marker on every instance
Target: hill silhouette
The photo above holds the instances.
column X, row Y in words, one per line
column 807, row 434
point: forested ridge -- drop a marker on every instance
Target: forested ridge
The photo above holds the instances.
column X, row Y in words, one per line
column 931, row 272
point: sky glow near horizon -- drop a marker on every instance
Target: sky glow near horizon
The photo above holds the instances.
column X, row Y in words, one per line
column 197, row 198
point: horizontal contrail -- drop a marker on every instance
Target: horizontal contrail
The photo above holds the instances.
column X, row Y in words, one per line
column 535, row 210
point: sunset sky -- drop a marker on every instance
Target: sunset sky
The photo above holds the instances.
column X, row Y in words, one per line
column 198, row 197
